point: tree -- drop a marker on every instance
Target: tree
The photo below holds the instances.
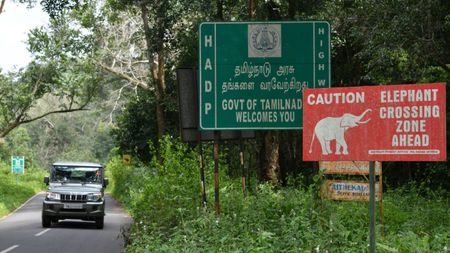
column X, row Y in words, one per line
column 411, row 34
column 132, row 133
column 20, row 92
column 141, row 43
column 380, row 42
column 83, row 135
column 61, row 68
column 18, row 144
column 391, row 42
column 114, row 41
column 159, row 19
column 2, row 4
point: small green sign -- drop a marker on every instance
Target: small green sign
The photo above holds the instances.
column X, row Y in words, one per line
column 252, row 74
column 18, row 164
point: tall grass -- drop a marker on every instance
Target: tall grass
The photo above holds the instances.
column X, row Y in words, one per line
column 165, row 203
column 16, row 189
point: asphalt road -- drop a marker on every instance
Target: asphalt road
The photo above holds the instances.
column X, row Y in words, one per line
column 22, row 232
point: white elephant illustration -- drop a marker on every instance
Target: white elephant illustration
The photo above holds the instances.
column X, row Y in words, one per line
column 333, row 128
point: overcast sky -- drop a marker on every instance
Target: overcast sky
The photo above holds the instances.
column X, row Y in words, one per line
column 15, row 21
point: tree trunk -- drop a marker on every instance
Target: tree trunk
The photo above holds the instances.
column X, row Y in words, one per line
column 157, row 72
column 250, row 9
column 288, row 157
column 292, row 9
column 219, row 13
column 2, row 5
column 272, row 166
column 159, row 78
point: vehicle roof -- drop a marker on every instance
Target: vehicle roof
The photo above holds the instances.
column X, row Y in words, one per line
column 80, row 164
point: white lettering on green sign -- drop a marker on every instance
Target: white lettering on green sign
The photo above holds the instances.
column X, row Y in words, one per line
column 252, row 75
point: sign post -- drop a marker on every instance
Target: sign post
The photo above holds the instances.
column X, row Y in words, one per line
column 252, row 74
column 352, row 190
column 372, row 206
column 348, row 167
column 216, row 173
column 18, row 164
column 376, row 123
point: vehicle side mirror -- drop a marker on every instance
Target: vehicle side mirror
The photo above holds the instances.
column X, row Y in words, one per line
column 46, row 180
column 105, row 182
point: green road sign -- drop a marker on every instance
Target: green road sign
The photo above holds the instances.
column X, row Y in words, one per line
column 18, row 164
column 252, row 75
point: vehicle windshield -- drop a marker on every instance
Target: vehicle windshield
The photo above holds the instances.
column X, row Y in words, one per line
column 72, row 174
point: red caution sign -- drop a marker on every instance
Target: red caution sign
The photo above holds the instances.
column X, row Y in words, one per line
column 375, row 123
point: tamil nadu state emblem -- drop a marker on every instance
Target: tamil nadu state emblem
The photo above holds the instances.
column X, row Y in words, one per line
column 264, row 40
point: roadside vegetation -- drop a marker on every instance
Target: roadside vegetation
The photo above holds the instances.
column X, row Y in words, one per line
column 165, row 202
column 15, row 189
column 103, row 84
column 41, row 148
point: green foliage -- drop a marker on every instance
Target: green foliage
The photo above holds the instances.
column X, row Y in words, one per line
column 16, row 189
column 79, row 136
column 165, row 203
column 395, row 26
column 55, row 8
column 151, row 190
column 19, row 93
column 387, row 41
column 118, row 175
column 136, row 126
column 416, row 216
column 60, row 69
column 18, row 144
column 374, row 42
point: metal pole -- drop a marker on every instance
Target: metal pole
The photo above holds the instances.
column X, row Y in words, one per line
column 216, row 173
column 372, row 206
column 241, row 156
column 381, row 198
column 202, row 169
column 249, row 165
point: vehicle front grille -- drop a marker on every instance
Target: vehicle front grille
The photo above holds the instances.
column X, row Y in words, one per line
column 75, row 197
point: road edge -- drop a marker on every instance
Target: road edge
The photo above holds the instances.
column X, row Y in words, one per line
column 23, row 204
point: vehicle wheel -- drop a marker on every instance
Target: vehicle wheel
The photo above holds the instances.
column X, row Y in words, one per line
column 99, row 222
column 46, row 221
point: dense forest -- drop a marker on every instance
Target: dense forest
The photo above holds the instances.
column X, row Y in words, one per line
column 103, row 83
column 106, row 71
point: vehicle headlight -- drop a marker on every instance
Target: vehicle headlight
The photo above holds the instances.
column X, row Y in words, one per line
column 94, row 196
column 53, row 196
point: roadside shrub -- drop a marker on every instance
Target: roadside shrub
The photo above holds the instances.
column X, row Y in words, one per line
column 16, row 189
column 18, row 144
column 160, row 194
column 165, row 191
column 166, row 205
column 120, row 179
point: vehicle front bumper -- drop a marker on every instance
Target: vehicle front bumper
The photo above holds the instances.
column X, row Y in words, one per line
column 66, row 210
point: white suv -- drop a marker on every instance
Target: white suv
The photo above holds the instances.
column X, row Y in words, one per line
column 75, row 191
